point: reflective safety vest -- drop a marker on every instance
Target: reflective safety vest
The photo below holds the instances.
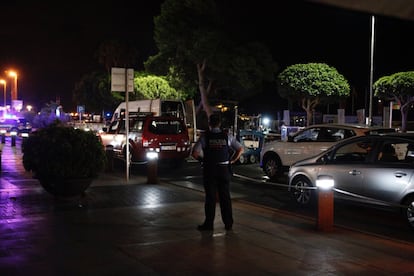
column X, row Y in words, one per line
column 217, row 148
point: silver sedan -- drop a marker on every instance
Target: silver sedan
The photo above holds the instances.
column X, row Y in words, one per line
column 374, row 169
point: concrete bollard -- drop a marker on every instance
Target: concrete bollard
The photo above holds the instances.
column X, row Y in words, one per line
column 13, row 136
column 25, row 135
column 109, row 151
column 325, row 219
column 152, row 167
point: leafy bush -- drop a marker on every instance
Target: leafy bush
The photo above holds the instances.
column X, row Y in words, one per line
column 62, row 152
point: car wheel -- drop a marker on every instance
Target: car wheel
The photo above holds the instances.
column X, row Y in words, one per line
column 252, row 159
column 301, row 192
column 272, row 167
column 242, row 159
column 409, row 213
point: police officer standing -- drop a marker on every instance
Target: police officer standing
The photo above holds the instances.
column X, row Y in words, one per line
column 217, row 151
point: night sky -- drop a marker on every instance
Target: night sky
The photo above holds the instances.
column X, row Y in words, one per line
column 53, row 45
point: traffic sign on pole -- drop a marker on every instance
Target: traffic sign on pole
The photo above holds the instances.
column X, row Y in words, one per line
column 118, row 79
column 121, row 78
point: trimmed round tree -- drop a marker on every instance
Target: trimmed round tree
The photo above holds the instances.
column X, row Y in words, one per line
column 398, row 87
column 311, row 84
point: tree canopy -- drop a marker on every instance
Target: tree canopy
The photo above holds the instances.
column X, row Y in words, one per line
column 94, row 92
column 114, row 53
column 311, row 84
column 153, row 87
column 196, row 48
column 398, row 87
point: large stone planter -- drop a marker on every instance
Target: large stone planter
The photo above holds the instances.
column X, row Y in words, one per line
column 66, row 187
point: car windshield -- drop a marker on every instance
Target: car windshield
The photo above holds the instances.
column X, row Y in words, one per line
column 8, row 122
column 322, row 134
column 381, row 130
column 306, row 135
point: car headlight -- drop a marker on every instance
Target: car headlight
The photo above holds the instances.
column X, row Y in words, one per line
column 151, row 155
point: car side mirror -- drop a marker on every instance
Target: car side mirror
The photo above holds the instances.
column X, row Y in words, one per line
column 324, row 158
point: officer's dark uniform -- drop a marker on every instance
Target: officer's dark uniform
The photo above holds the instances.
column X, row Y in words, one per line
column 216, row 178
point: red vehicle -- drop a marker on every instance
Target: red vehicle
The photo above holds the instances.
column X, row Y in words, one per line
column 166, row 135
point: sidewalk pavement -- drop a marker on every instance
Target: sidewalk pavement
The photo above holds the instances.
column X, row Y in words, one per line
column 135, row 228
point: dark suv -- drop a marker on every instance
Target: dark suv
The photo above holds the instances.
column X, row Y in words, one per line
column 166, row 135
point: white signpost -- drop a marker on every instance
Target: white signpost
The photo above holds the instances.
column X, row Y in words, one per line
column 121, row 78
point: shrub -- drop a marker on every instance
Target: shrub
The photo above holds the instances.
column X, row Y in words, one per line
column 61, row 152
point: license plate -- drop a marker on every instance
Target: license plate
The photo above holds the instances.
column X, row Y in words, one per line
column 168, row 147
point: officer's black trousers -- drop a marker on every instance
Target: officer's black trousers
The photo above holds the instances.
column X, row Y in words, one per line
column 216, row 180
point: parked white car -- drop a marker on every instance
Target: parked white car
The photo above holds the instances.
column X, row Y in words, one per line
column 276, row 156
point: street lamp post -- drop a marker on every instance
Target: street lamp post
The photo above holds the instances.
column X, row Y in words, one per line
column 371, row 72
column 13, row 74
column 4, row 90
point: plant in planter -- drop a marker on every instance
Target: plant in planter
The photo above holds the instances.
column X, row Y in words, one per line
column 64, row 160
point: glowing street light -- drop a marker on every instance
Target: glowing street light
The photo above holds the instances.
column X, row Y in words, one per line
column 13, row 74
column 4, row 88
column 266, row 121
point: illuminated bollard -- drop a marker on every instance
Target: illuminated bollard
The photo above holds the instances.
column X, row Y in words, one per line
column 152, row 167
column 25, row 135
column 13, row 135
column 325, row 186
column 3, row 136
